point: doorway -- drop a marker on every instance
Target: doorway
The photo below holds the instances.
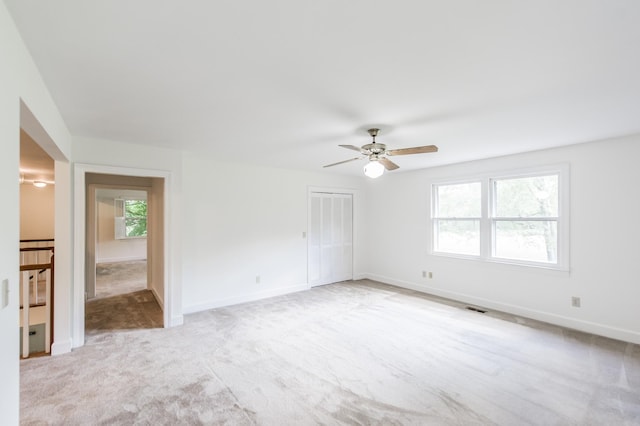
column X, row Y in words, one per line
column 120, row 252
column 37, row 245
column 117, row 238
column 88, row 180
column 330, row 242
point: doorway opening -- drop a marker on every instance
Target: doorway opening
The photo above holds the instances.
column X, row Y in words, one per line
column 107, row 238
column 121, row 217
column 37, row 245
column 119, row 293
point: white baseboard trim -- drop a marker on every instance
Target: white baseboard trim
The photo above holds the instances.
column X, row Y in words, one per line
column 61, row 347
column 250, row 297
column 551, row 318
column 119, row 259
column 177, row 320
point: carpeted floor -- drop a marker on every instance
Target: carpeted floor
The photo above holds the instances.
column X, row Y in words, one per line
column 348, row 353
column 120, row 278
column 122, row 301
column 138, row 310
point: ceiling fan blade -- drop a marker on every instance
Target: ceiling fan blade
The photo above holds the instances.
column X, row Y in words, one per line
column 353, row 147
column 388, row 164
column 342, row 162
column 415, row 150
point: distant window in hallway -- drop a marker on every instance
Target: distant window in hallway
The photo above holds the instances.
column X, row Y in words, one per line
column 130, row 218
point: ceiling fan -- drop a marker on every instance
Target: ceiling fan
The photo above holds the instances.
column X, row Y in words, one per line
column 378, row 153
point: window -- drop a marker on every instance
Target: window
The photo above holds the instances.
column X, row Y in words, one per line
column 508, row 218
column 525, row 218
column 130, row 218
column 457, row 218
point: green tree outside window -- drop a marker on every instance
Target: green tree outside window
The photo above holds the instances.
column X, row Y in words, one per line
column 135, row 218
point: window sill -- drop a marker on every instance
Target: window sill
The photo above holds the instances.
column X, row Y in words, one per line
column 506, row 262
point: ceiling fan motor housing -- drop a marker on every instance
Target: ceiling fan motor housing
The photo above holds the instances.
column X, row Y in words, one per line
column 374, row 148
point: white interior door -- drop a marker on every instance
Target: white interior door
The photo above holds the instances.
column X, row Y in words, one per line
column 330, row 238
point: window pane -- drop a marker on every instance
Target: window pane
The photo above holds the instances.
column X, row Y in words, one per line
column 135, row 227
column 136, row 208
column 136, row 218
column 458, row 236
column 527, row 197
column 460, row 200
column 536, row 241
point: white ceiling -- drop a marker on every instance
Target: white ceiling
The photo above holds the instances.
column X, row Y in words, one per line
column 284, row 82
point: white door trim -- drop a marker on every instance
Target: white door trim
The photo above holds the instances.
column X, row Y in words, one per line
column 79, row 244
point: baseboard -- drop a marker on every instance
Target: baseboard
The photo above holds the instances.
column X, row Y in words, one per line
column 555, row 319
column 244, row 298
column 61, row 347
column 177, row 320
column 119, row 259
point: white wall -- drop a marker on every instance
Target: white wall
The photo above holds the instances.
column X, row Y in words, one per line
column 37, row 207
column 241, row 221
column 19, row 80
column 604, row 242
column 108, row 248
column 230, row 222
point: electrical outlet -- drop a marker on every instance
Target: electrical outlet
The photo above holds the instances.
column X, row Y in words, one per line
column 257, row 279
column 575, row 301
column 430, row 275
column 304, row 235
column 424, row 274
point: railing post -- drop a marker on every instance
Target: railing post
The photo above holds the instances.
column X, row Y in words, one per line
column 25, row 314
column 47, row 320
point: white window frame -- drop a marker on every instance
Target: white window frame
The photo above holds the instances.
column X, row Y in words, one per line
column 488, row 219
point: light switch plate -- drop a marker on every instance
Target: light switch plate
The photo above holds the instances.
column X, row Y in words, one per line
column 4, row 294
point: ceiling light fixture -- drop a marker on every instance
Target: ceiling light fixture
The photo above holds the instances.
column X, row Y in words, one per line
column 373, row 169
column 38, row 183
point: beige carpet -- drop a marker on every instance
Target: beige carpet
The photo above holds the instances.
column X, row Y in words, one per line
column 349, row 353
column 120, row 278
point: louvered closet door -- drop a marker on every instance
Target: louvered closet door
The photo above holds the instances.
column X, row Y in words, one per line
column 330, row 238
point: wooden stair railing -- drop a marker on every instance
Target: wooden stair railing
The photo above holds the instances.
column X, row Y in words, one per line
column 32, row 266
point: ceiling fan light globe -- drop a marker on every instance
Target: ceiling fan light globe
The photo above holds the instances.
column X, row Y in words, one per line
column 373, row 169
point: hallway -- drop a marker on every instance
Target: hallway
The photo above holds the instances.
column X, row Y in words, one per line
column 122, row 301
column 131, row 311
column 115, row 278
